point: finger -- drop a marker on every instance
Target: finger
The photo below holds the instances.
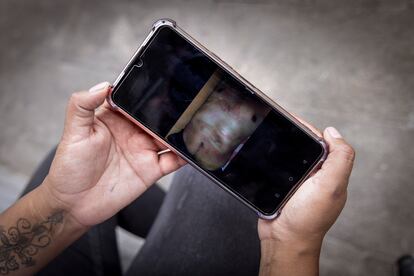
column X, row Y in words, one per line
column 160, row 146
column 170, row 162
column 81, row 111
column 337, row 168
column 308, row 125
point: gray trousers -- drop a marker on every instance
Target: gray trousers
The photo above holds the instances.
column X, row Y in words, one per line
column 194, row 229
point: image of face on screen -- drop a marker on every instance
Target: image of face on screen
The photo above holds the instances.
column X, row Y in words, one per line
column 217, row 123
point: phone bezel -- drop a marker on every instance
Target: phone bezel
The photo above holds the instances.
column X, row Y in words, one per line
column 228, row 69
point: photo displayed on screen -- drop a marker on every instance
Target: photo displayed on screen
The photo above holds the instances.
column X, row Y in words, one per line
column 216, row 124
column 215, row 121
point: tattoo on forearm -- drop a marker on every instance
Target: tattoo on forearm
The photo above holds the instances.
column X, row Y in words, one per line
column 20, row 243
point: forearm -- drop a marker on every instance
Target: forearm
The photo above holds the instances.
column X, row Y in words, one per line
column 33, row 231
column 290, row 259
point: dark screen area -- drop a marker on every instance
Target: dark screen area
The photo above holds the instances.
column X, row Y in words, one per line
column 215, row 121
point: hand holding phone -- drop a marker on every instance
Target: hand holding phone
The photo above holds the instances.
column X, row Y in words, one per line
column 292, row 243
column 103, row 162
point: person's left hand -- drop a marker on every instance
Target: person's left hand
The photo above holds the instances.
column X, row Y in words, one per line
column 103, row 161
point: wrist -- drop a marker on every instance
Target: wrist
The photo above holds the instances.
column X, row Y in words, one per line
column 290, row 257
column 36, row 228
column 45, row 194
column 291, row 248
column 280, row 234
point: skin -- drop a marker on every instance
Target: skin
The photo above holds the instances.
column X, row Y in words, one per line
column 103, row 156
column 222, row 123
column 104, row 162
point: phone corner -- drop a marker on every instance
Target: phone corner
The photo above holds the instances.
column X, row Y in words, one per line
column 164, row 22
column 325, row 149
column 110, row 101
column 271, row 216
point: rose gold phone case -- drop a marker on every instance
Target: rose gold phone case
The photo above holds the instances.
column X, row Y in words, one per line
column 172, row 24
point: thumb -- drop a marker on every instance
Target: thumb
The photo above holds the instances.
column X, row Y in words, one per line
column 80, row 112
column 337, row 168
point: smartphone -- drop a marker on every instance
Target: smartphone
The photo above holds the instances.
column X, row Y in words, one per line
column 204, row 111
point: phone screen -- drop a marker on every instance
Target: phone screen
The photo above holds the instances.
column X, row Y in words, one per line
column 206, row 114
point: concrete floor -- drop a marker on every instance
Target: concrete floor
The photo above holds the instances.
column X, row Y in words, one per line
column 344, row 63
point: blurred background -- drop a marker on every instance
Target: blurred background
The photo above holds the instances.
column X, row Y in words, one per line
column 349, row 64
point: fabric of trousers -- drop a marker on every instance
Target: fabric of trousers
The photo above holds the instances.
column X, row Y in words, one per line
column 194, row 229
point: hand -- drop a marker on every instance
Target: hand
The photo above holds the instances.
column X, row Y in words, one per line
column 103, row 161
column 315, row 206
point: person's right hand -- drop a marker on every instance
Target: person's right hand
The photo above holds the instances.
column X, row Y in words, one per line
column 103, row 161
column 315, row 206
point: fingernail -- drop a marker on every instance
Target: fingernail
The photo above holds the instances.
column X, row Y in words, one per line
column 99, row 86
column 334, row 133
